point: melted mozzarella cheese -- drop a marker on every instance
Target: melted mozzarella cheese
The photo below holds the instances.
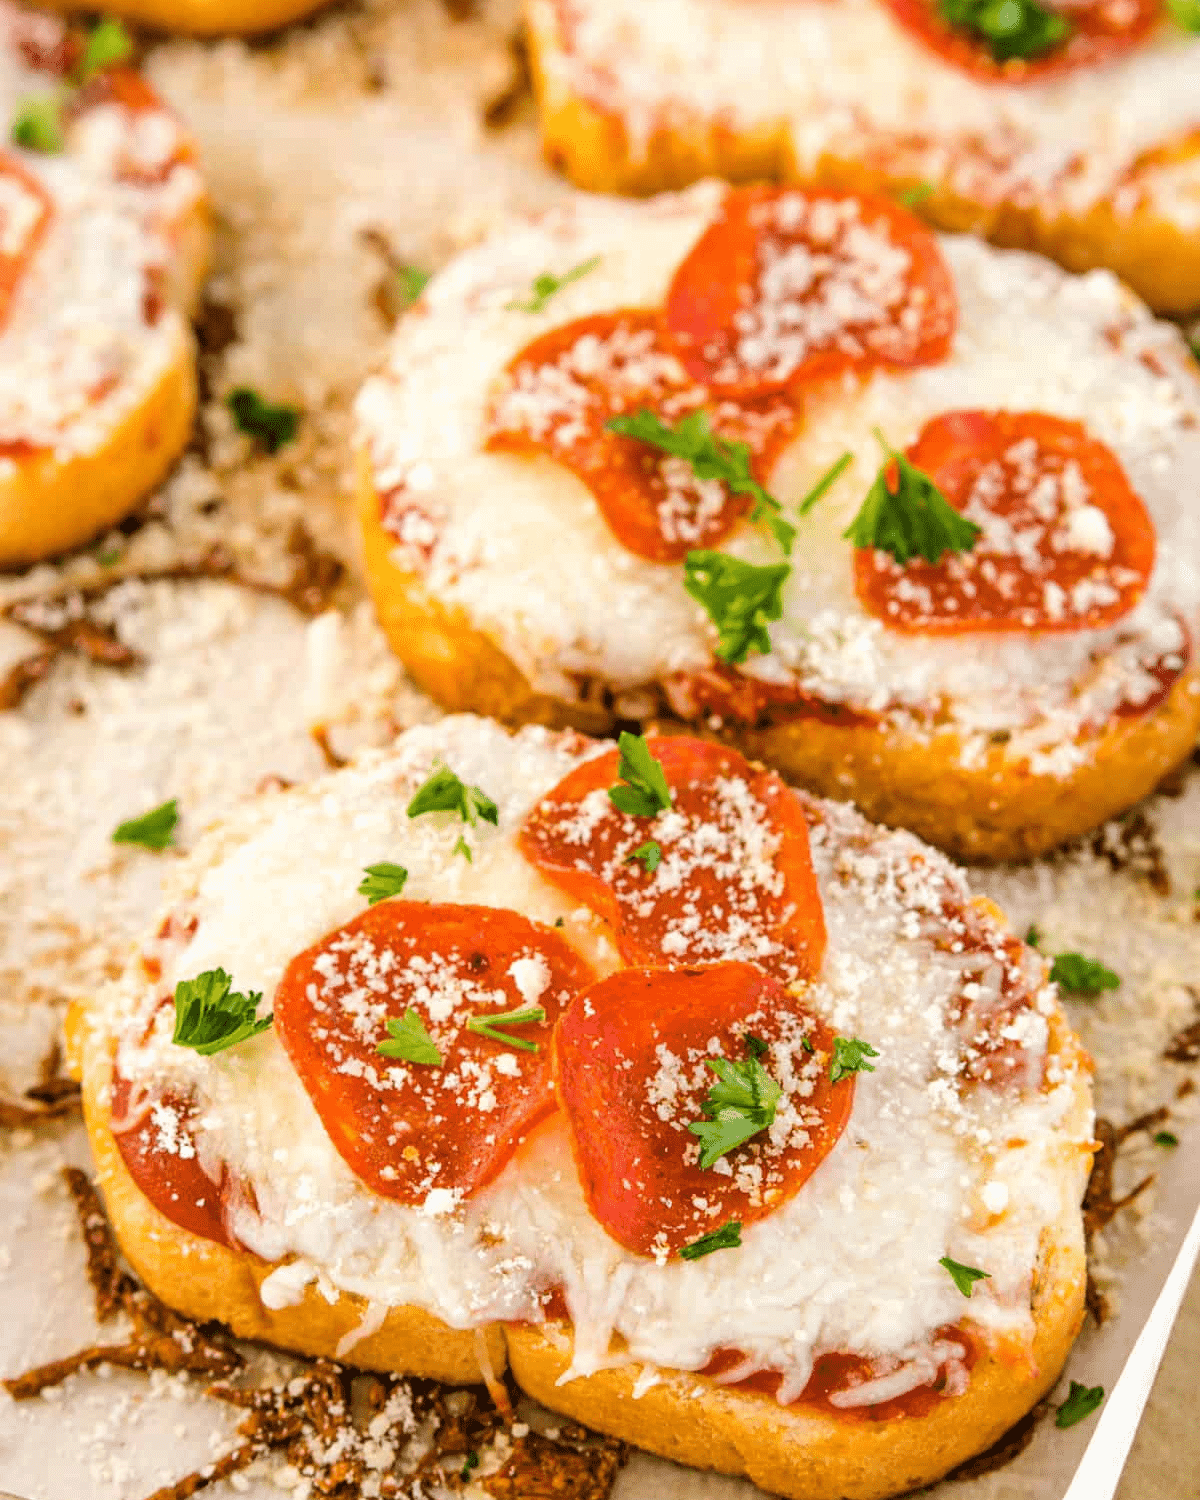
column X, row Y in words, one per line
column 77, row 354
column 565, row 599
column 845, row 79
column 846, row 1264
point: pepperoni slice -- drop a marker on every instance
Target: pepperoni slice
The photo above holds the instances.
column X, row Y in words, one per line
column 1101, row 31
column 1066, row 544
column 789, row 285
column 562, row 388
column 425, row 1134
column 155, row 1138
column 734, row 879
column 25, row 211
column 655, row 1030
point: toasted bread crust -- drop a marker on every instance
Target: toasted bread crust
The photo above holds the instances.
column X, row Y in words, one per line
column 205, row 1280
column 1158, row 259
column 204, row 17
column 50, row 504
column 996, row 809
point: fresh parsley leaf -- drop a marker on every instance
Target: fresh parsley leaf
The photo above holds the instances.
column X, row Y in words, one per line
column 826, row 482
column 39, row 123
column 272, row 425
column 470, row 1462
column 463, row 848
column 739, row 1105
column 444, row 791
column 1082, row 1401
column 412, row 282
column 488, row 1026
column 153, row 830
column 754, row 1045
column 1185, row 13
column 1082, row 976
column 210, row 1015
column 648, row 855
column 409, row 1041
column 1034, row 936
column 641, row 789
column 1009, row 28
column 711, row 457
column 547, row 285
column 850, row 1056
column 728, row 1237
column 740, row 599
column 108, row 43
column 909, row 197
column 379, row 882
column 963, row 1277
column 913, row 519
column 1166, row 1138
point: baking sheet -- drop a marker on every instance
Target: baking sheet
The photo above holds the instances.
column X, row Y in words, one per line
column 355, row 140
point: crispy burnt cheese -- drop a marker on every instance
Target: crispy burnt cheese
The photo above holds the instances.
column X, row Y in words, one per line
column 611, row 1124
column 1082, row 141
column 905, row 516
column 103, row 244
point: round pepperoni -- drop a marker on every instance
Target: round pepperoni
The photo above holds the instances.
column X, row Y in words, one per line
column 561, row 390
column 657, row 1031
column 155, row 1138
column 25, row 211
column 789, row 285
column 1065, row 543
column 427, row 1133
column 1098, row 31
column 729, row 874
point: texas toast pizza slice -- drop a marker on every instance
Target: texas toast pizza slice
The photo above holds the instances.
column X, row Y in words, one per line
column 904, row 516
column 103, row 244
column 1071, row 129
column 733, row 1123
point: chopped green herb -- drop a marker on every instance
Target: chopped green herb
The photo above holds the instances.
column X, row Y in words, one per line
column 754, row 1045
column 271, row 425
column 547, row 285
column 850, row 1056
column 740, row 1105
column 210, row 1015
column 108, row 42
column 913, row 519
column 108, row 557
column 641, row 789
column 488, row 1026
column 728, row 1237
column 648, row 855
column 1185, row 13
column 740, row 599
column 470, row 1462
column 380, row 882
column 826, row 482
column 409, row 1041
column 911, row 196
column 463, row 848
column 1034, row 936
column 39, row 123
column 412, row 282
column 443, row 791
column 964, row 1277
column 153, row 830
column 1082, row 976
column 1009, row 28
column 711, row 457
column 1166, row 1138
column 1082, row 1401
column 559, row 922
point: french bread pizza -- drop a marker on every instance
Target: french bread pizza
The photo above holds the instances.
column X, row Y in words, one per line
column 727, row 1120
column 909, row 518
column 1071, row 129
column 103, row 244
